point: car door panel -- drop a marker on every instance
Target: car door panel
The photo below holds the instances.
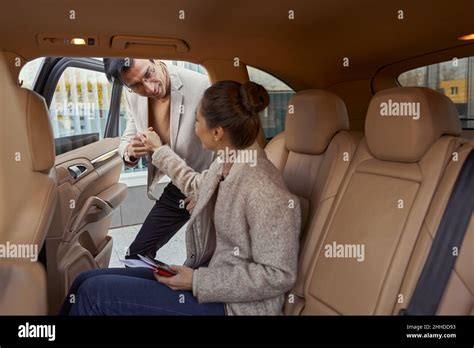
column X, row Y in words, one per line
column 84, row 116
column 77, row 240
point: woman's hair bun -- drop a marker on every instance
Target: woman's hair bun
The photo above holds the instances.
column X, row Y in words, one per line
column 255, row 97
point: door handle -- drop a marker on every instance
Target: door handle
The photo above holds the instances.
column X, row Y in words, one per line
column 77, row 171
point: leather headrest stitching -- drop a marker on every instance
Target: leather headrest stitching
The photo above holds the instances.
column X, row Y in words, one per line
column 403, row 122
column 312, row 120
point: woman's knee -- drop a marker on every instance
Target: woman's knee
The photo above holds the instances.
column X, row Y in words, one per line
column 82, row 277
column 80, row 280
column 92, row 285
column 87, row 295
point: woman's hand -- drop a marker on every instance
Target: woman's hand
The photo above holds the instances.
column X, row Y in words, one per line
column 181, row 281
column 151, row 140
column 190, row 204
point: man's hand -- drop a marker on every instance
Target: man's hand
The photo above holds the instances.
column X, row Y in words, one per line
column 151, row 140
column 181, row 281
column 190, row 204
column 136, row 148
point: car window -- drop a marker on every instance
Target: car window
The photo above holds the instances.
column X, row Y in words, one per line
column 29, row 73
column 79, row 108
column 273, row 117
column 454, row 78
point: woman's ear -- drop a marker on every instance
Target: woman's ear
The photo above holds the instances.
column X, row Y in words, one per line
column 218, row 133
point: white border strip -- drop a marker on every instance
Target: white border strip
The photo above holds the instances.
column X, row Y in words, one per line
column 133, row 179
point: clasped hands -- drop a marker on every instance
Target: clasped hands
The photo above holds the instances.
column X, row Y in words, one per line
column 143, row 143
column 150, row 140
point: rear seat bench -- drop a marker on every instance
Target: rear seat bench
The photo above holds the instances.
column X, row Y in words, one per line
column 388, row 204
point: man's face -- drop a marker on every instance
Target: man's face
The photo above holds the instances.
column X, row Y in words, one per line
column 146, row 78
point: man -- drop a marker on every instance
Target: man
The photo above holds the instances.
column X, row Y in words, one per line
column 164, row 98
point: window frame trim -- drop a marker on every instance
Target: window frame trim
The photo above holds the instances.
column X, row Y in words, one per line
column 51, row 72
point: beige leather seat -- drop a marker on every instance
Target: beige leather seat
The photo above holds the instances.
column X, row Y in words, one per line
column 381, row 208
column 28, row 193
column 458, row 298
column 313, row 154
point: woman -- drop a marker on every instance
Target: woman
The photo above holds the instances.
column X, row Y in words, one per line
column 244, row 228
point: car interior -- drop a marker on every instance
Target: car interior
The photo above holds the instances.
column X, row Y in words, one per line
column 362, row 179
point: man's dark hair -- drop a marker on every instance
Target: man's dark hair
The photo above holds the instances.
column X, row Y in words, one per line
column 114, row 67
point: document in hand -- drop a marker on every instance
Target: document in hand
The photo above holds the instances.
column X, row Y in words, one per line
column 162, row 268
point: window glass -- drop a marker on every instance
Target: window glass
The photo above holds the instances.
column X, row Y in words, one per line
column 454, row 78
column 29, row 72
column 273, row 117
column 79, row 108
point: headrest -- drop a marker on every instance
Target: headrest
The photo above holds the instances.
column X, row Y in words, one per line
column 40, row 133
column 403, row 122
column 29, row 129
column 317, row 116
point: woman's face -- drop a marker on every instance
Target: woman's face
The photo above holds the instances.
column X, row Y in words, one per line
column 204, row 133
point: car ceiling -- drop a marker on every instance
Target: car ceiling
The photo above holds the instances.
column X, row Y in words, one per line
column 306, row 52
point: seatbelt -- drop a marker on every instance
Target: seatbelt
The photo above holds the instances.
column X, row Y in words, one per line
column 440, row 262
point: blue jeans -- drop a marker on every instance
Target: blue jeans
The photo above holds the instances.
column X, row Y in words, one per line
column 130, row 291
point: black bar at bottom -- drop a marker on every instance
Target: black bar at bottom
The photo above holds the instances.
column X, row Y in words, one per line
column 446, row 330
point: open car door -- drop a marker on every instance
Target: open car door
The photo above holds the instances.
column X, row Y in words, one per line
column 84, row 112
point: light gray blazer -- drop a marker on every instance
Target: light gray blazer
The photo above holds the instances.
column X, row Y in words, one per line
column 187, row 88
column 253, row 243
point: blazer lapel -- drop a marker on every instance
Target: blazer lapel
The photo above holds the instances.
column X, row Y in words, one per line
column 175, row 109
column 142, row 113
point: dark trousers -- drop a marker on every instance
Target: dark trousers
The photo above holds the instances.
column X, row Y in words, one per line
column 166, row 217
